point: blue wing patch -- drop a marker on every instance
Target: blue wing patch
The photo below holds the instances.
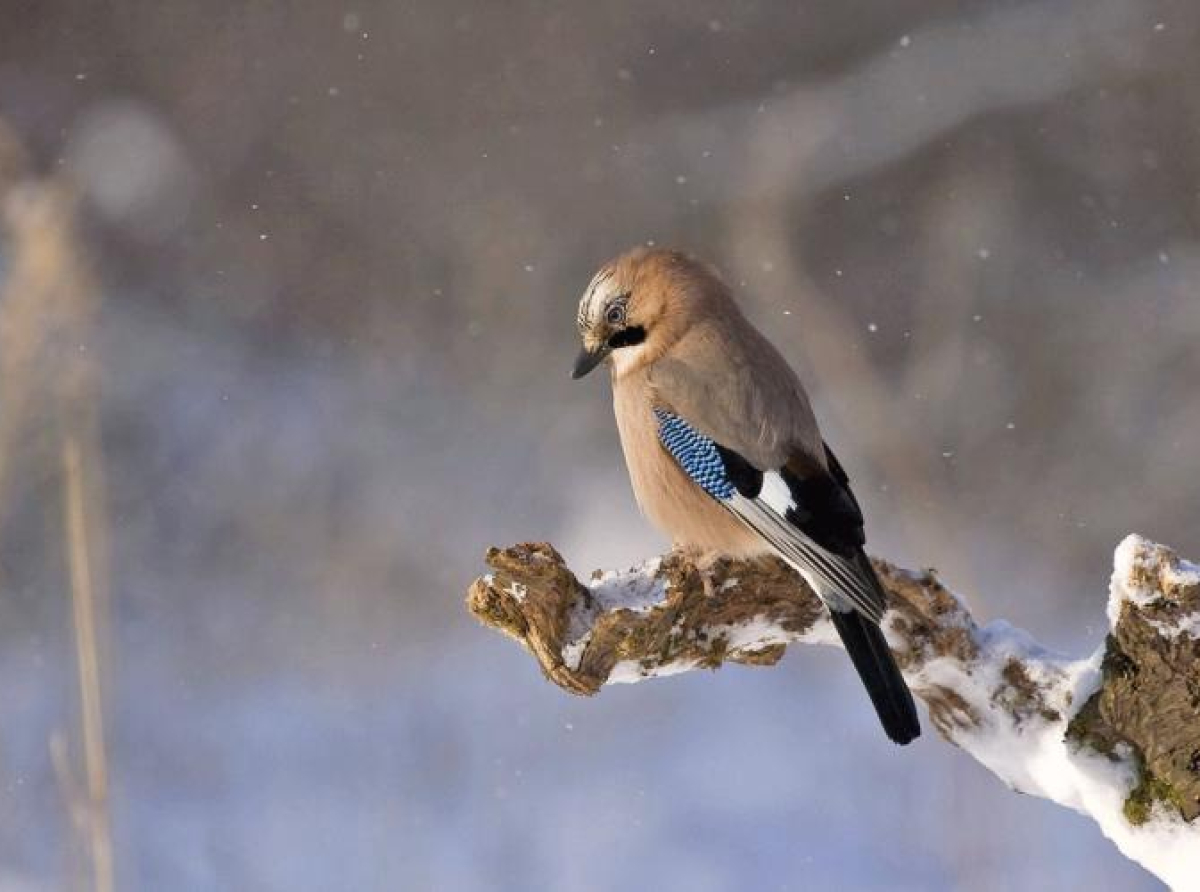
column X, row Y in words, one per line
column 695, row 453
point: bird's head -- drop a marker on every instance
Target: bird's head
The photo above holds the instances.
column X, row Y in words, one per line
column 638, row 305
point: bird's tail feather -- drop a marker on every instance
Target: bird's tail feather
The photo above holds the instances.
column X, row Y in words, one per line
column 877, row 668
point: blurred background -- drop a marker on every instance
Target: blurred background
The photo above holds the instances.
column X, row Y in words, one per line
column 286, row 316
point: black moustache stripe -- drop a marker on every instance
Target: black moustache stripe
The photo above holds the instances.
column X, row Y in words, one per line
column 627, row 337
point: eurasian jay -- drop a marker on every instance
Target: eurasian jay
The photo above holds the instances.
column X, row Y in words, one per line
column 723, row 449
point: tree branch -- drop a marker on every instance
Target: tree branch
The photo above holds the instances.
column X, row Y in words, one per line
column 1115, row 736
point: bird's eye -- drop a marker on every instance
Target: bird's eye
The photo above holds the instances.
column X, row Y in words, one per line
column 615, row 314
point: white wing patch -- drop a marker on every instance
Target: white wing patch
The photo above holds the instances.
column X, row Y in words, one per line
column 776, row 494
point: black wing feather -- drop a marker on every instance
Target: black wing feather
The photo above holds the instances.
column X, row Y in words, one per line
column 825, row 510
column 746, row 478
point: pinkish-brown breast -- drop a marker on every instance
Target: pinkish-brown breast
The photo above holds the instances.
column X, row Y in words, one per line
column 668, row 498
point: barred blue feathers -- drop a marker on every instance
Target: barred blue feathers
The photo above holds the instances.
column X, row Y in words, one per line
column 695, row 453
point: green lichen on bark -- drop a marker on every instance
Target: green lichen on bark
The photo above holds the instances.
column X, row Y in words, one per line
column 1151, row 790
column 1148, row 704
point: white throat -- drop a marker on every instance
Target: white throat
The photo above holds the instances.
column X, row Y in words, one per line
column 626, row 359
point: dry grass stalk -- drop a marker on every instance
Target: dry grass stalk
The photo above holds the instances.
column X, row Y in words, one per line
column 46, row 307
column 83, row 602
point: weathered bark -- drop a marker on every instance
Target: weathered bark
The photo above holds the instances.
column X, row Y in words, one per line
column 1116, row 736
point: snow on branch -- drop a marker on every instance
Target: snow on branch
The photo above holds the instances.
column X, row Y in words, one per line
column 1115, row 735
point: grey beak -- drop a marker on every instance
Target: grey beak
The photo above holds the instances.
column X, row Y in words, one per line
column 589, row 359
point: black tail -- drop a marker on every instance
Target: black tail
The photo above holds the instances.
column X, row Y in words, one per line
column 869, row 651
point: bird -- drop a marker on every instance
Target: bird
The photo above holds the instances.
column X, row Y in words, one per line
column 723, row 449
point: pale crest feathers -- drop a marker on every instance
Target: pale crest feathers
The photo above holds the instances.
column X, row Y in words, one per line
column 594, row 299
